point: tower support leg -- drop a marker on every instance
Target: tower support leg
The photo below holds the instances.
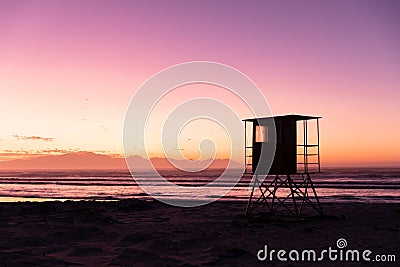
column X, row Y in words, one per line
column 298, row 193
column 251, row 197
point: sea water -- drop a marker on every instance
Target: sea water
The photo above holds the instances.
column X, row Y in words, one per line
column 332, row 185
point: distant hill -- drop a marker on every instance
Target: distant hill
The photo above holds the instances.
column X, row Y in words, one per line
column 93, row 161
column 76, row 160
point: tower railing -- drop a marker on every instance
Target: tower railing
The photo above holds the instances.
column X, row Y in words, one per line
column 307, row 156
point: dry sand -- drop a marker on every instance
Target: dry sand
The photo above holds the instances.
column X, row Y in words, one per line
column 138, row 233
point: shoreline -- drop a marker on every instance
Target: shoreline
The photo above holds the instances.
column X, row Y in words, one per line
column 324, row 200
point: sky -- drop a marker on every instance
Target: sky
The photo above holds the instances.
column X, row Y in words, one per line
column 68, row 69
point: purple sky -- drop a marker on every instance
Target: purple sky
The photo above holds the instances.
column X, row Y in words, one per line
column 338, row 59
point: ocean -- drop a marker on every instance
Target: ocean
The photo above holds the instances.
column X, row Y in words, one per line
column 332, row 185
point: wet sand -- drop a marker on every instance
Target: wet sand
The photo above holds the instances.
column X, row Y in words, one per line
column 149, row 233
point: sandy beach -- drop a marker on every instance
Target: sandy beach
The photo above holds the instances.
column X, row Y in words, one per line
column 149, row 233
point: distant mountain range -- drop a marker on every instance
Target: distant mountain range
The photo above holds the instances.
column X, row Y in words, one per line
column 93, row 161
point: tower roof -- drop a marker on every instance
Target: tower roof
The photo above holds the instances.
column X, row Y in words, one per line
column 291, row 117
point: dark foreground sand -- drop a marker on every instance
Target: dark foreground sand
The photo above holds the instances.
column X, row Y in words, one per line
column 137, row 233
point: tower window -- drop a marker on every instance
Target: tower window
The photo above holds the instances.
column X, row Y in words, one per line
column 261, row 134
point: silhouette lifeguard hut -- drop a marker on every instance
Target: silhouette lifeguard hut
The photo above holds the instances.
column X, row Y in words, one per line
column 286, row 182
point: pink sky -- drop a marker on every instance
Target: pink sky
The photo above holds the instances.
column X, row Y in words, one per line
column 68, row 69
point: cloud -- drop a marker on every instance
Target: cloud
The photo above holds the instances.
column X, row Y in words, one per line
column 34, row 138
column 49, row 151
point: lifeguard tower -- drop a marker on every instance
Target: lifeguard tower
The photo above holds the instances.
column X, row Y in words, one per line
column 286, row 183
